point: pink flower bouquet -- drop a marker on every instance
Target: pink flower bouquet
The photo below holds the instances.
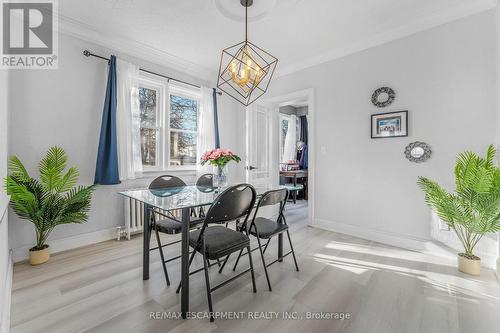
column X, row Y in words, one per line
column 219, row 157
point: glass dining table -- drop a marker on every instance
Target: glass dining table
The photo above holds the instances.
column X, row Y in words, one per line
column 182, row 199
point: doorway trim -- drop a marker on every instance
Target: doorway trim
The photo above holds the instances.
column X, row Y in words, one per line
column 286, row 99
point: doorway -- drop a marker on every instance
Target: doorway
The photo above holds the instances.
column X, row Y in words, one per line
column 292, row 167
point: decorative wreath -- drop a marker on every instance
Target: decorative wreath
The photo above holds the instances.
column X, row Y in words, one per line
column 426, row 155
column 382, row 104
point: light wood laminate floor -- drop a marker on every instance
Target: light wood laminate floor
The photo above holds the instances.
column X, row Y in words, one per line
column 385, row 289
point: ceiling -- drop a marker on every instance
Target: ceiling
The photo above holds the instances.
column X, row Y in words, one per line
column 190, row 34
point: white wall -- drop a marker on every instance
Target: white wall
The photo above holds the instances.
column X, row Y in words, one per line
column 5, row 260
column 445, row 77
column 498, row 107
column 63, row 107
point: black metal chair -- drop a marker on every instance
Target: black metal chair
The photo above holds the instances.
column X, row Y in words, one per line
column 205, row 180
column 165, row 221
column 205, row 184
column 264, row 228
column 215, row 242
column 166, row 181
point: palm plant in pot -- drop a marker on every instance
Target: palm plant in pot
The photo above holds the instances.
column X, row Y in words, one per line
column 473, row 209
column 53, row 200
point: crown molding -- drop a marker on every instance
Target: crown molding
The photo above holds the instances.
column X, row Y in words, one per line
column 80, row 30
column 428, row 22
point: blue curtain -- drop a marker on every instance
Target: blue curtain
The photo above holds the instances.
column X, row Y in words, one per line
column 303, row 129
column 303, row 160
column 106, row 170
column 216, row 119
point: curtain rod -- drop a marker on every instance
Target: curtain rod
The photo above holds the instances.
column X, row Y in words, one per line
column 87, row 53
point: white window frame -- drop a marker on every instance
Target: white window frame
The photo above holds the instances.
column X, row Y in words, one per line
column 190, row 93
column 160, row 89
column 165, row 89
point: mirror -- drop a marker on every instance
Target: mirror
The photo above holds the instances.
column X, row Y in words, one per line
column 418, row 152
column 383, row 97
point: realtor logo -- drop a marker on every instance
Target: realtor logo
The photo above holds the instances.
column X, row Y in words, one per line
column 29, row 39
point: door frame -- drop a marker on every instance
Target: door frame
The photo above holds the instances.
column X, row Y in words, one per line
column 276, row 102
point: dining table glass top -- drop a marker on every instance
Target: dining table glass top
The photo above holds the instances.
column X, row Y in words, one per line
column 189, row 196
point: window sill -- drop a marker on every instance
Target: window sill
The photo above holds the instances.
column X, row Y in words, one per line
column 149, row 173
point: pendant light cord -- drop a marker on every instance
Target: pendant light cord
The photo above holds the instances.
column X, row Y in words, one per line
column 246, row 21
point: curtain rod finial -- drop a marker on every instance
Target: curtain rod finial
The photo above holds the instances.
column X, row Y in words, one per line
column 86, row 53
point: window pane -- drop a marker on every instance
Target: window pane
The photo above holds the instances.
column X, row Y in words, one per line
column 182, row 148
column 147, row 104
column 148, row 146
column 183, row 113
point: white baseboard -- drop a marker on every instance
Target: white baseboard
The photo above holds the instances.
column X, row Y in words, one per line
column 68, row 243
column 399, row 240
column 5, row 314
column 390, row 238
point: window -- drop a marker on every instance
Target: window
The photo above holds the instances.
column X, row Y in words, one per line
column 183, row 130
column 169, row 125
column 150, row 124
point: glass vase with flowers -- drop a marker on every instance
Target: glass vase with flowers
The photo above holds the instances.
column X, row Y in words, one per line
column 219, row 158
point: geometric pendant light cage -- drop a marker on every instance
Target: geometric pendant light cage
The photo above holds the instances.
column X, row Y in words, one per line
column 245, row 69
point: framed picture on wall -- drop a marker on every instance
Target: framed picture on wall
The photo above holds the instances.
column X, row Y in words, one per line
column 389, row 125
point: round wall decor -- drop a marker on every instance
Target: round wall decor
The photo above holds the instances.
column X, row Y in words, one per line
column 418, row 152
column 383, row 97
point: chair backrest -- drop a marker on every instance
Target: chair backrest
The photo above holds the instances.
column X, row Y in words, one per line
column 166, row 181
column 205, row 180
column 271, row 198
column 234, row 203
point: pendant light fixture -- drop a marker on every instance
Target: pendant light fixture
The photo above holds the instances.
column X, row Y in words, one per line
column 245, row 69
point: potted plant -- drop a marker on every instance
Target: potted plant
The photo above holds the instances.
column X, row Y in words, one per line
column 53, row 200
column 473, row 209
column 219, row 158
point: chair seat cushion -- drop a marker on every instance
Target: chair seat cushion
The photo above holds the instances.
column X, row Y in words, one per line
column 220, row 241
column 267, row 228
column 171, row 226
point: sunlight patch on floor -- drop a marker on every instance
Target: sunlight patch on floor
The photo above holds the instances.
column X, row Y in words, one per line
column 447, row 282
column 351, row 268
column 383, row 251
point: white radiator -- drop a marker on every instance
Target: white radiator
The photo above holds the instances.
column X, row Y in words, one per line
column 134, row 218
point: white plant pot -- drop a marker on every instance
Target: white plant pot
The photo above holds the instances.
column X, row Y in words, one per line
column 469, row 266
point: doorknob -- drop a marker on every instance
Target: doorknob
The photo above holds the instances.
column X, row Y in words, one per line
column 250, row 167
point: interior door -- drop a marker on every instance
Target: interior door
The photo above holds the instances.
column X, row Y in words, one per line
column 260, row 146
